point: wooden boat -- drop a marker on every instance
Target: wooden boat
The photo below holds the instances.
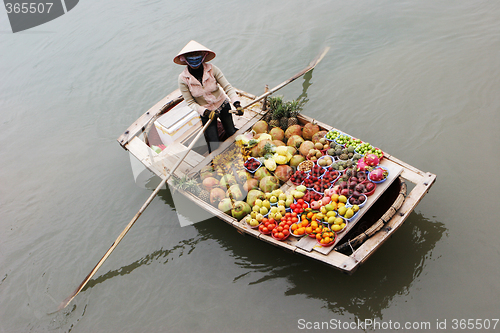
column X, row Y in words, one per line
column 384, row 212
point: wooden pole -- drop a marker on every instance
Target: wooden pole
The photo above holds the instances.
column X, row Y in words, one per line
column 131, row 223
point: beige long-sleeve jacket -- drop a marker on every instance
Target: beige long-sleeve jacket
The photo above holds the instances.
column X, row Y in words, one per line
column 209, row 95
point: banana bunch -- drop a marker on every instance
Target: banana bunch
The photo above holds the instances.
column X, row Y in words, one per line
column 223, row 163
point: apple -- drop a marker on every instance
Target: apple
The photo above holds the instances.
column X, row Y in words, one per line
column 315, row 204
column 225, row 205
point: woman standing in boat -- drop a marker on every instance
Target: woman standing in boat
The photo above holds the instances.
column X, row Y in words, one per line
column 206, row 90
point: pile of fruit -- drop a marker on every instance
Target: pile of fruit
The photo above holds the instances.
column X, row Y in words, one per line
column 326, row 237
column 342, row 139
column 252, row 164
column 325, row 189
column 378, row 175
column 267, row 226
column 331, row 135
column 298, row 177
column 299, row 229
column 366, row 148
column 282, row 231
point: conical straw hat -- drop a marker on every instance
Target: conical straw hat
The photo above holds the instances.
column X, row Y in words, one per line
column 194, row 46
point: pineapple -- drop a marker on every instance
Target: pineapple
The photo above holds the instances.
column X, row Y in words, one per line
column 204, row 195
column 191, row 185
column 267, row 117
column 295, row 108
column 285, row 113
column 275, row 118
column 275, row 104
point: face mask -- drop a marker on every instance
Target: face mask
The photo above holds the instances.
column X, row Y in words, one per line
column 195, row 61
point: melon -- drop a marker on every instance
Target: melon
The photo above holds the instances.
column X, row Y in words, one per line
column 309, row 130
column 295, row 141
column 260, row 127
column 283, row 173
column 318, row 135
column 269, row 184
column 305, row 147
column 296, row 160
column 278, row 143
column 293, row 130
column 277, row 133
column 261, row 173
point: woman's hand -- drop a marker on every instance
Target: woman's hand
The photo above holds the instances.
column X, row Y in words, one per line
column 210, row 114
column 239, row 110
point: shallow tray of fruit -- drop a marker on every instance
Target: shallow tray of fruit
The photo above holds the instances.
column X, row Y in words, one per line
column 252, row 164
column 299, row 229
column 326, row 237
column 378, row 175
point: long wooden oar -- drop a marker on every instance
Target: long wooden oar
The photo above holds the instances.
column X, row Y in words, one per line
column 164, row 181
column 310, row 67
column 134, row 219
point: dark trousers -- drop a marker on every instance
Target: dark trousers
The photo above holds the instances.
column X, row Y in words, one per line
column 211, row 133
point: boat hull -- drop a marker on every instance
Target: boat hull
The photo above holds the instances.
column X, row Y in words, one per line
column 350, row 251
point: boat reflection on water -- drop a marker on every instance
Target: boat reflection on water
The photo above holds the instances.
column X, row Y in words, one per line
column 390, row 272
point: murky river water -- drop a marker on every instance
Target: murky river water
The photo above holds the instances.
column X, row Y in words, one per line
column 420, row 79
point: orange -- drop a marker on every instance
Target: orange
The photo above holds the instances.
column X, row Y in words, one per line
column 318, row 237
column 294, row 227
column 308, row 230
